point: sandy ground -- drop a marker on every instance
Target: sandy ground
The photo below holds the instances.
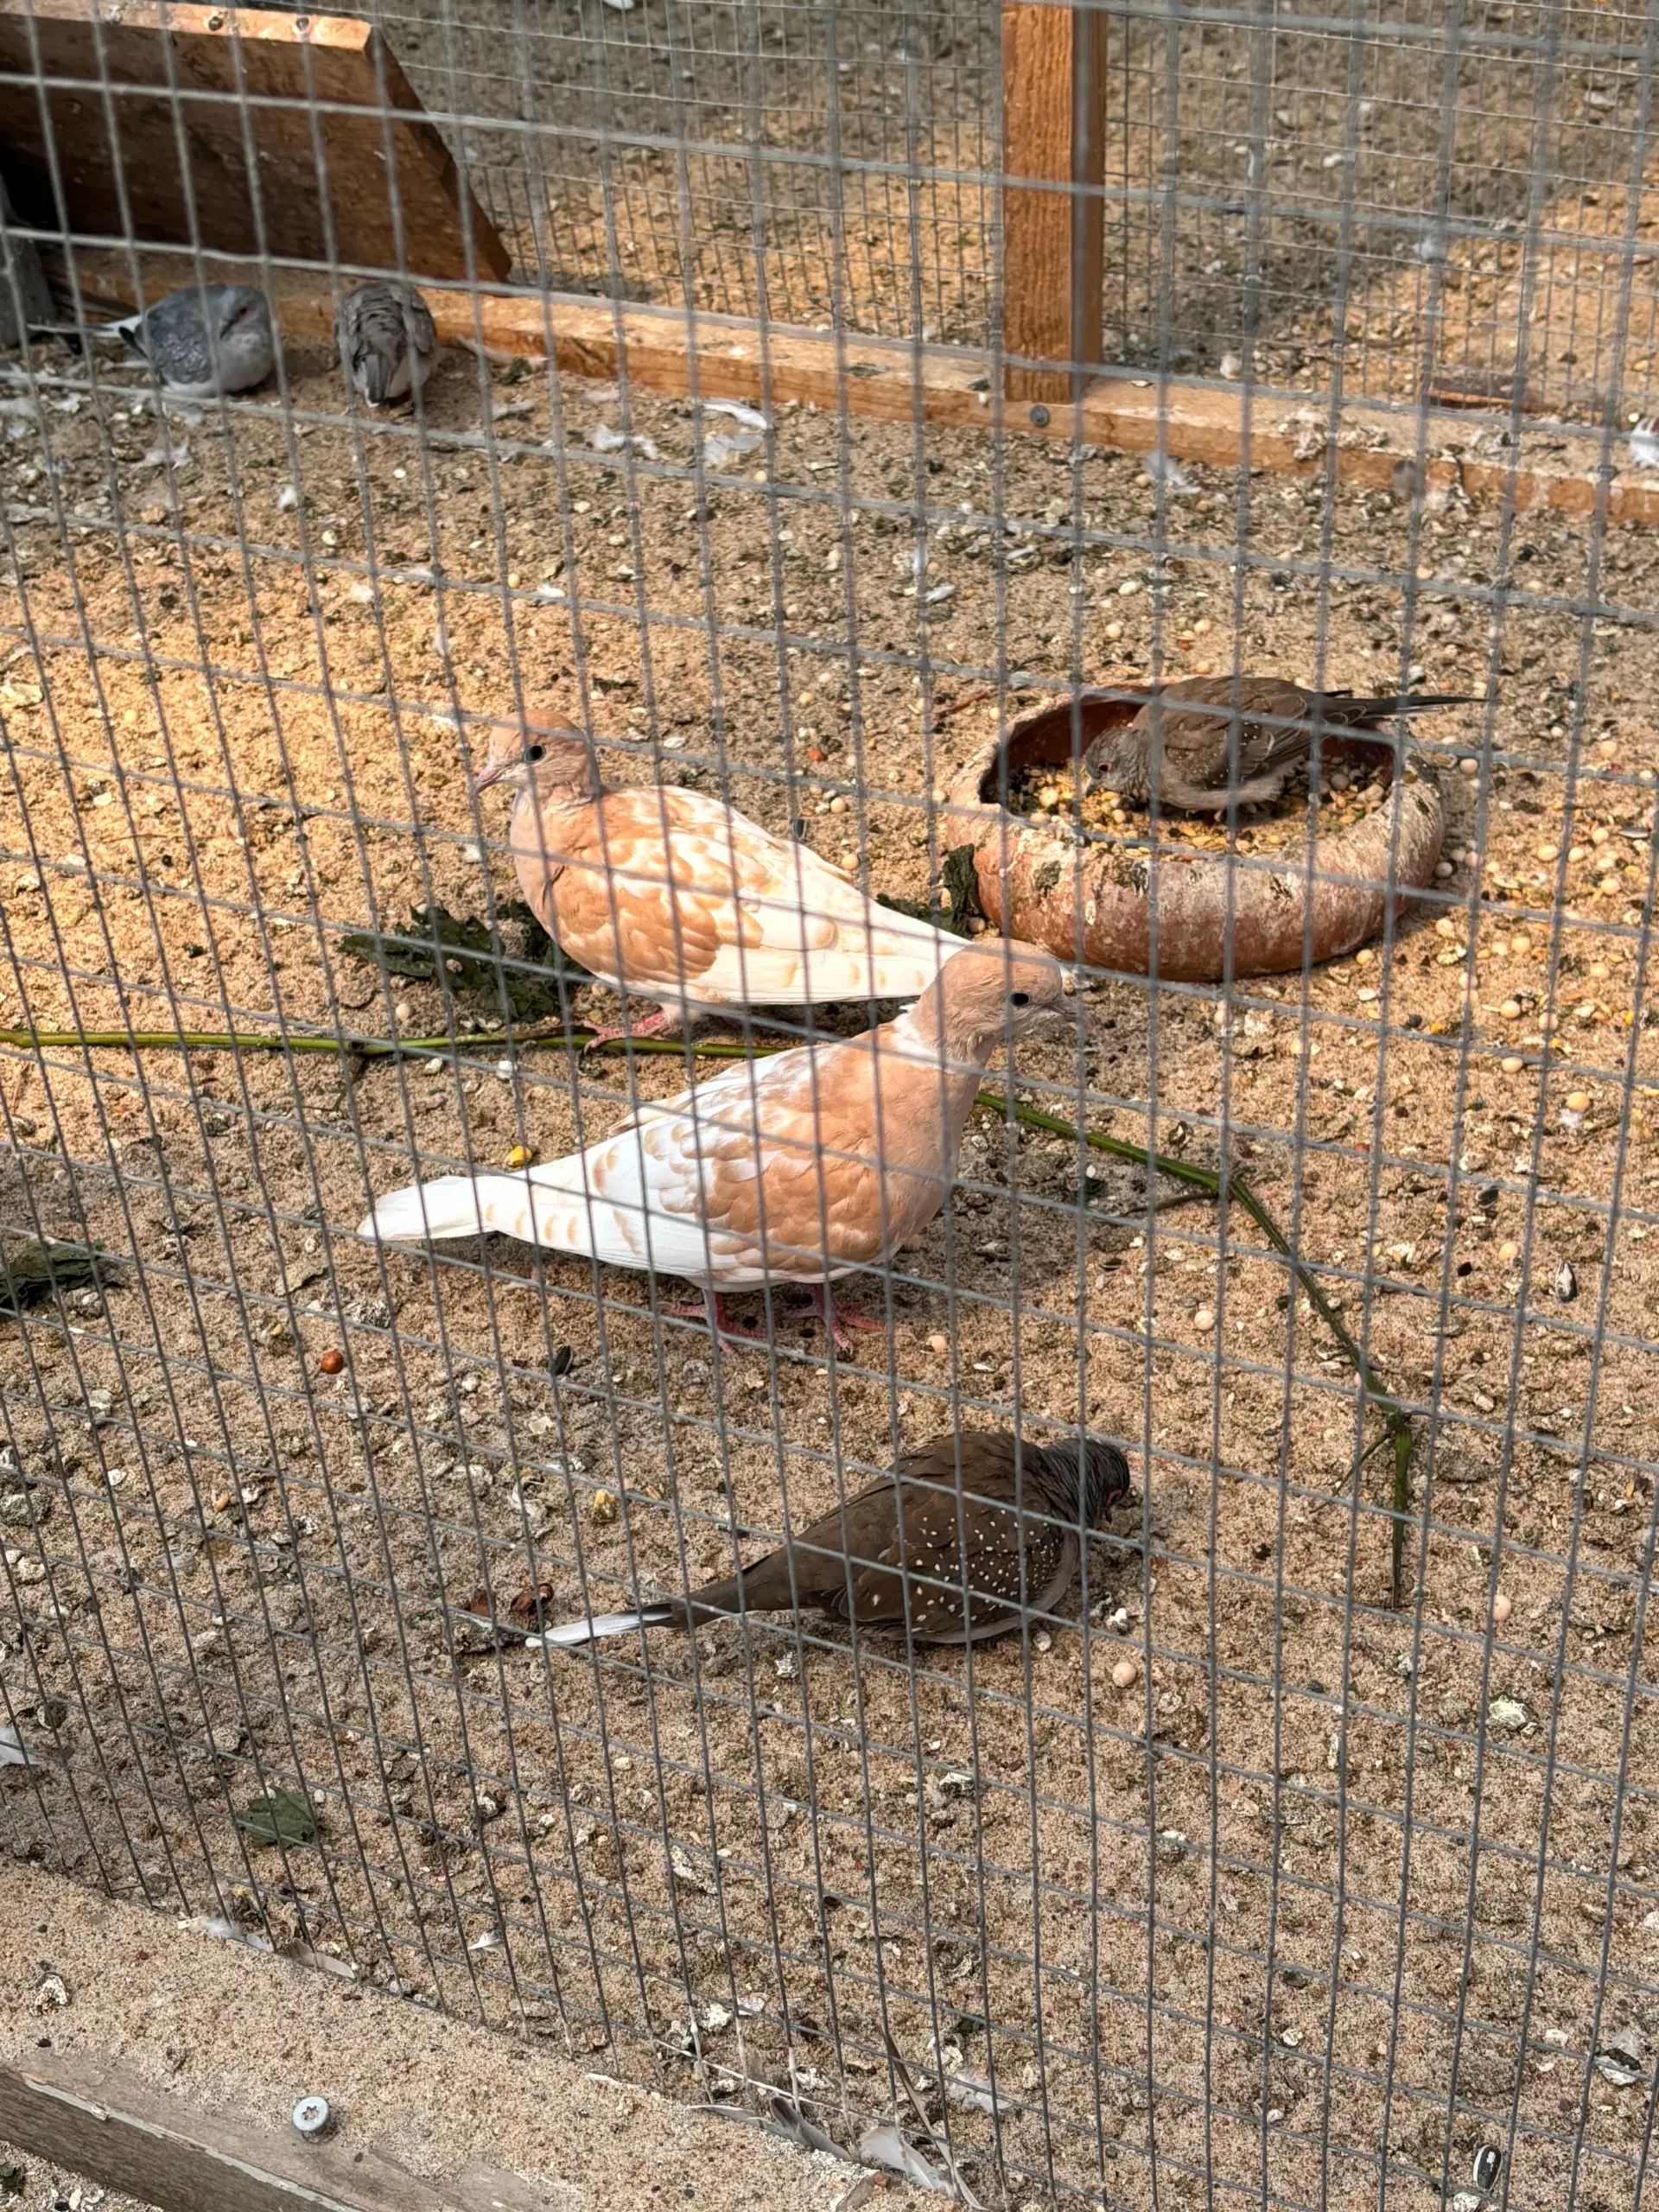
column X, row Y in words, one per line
column 1321, row 1876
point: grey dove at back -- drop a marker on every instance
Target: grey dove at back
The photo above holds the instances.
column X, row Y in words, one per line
column 205, row 339
column 387, row 342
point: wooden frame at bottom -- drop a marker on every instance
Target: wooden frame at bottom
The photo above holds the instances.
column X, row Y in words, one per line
column 101, row 2119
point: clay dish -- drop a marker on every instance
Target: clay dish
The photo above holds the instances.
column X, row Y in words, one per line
column 1108, row 907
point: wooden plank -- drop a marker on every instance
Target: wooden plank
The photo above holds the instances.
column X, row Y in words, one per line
column 141, row 162
column 101, row 2119
column 733, row 360
column 25, row 297
column 1054, row 242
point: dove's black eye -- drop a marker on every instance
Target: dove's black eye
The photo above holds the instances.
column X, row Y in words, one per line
column 535, row 753
column 1022, row 998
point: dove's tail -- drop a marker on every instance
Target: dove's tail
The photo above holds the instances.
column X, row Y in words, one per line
column 454, row 1205
column 1339, row 709
column 574, row 1633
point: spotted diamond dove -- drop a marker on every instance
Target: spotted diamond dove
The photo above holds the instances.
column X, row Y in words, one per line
column 968, row 1538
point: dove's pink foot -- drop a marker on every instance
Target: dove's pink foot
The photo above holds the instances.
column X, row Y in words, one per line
column 843, row 1323
column 713, row 1310
column 654, row 1025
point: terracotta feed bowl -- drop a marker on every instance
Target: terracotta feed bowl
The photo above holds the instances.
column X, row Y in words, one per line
column 1107, row 906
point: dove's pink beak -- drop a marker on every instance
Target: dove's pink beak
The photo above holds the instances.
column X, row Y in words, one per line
column 492, row 773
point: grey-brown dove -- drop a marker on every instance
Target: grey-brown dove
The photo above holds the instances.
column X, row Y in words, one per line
column 790, row 1170
column 1182, row 743
column 675, row 897
column 980, row 1517
column 387, row 342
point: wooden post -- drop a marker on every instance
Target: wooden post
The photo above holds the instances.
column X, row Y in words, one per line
column 1054, row 242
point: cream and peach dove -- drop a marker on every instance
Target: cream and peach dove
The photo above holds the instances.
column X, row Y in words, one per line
column 794, row 1169
column 673, row 896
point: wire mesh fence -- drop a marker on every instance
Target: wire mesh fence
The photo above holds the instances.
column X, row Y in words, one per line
column 1365, row 197
column 1299, row 1846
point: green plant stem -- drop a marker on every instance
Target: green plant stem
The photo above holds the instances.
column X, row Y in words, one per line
column 264, row 1040
column 1216, row 1181
column 1396, row 1421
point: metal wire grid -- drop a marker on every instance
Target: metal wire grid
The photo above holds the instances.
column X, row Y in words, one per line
column 753, row 124
column 1130, row 1934
column 1394, row 154
column 1378, row 153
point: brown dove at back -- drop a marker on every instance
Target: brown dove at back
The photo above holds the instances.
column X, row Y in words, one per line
column 792, row 1169
column 1182, row 743
column 675, row 897
column 978, row 1516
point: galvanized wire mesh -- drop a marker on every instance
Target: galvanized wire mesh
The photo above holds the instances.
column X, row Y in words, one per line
column 1237, row 1879
column 1360, row 190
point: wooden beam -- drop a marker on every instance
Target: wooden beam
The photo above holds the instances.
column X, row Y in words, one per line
column 1375, row 447
column 137, row 160
column 101, row 2119
column 1053, row 241
column 180, row 2053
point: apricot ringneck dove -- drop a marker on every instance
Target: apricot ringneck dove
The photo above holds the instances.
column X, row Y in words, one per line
column 674, row 896
column 794, row 1169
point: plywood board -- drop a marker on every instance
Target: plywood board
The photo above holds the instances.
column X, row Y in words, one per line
column 99, row 2118
column 147, row 123
column 171, row 2072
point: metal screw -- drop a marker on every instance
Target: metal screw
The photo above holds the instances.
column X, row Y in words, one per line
column 312, row 2117
column 1039, row 418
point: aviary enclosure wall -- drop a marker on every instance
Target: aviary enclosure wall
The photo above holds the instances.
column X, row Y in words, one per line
column 1311, row 1854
